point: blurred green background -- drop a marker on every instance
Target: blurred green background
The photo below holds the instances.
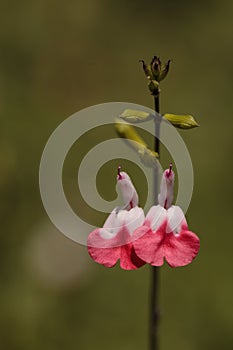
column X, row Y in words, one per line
column 57, row 58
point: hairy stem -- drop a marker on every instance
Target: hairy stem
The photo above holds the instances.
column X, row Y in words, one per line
column 154, row 312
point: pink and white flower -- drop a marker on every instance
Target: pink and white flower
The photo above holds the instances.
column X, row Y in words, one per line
column 114, row 241
column 165, row 233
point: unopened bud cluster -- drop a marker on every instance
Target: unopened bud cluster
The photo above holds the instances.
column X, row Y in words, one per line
column 155, row 72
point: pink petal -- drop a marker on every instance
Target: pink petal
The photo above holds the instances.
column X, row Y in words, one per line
column 150, row 246
column 108, row 251
column 181, row 249
column 129, row 260
column 101, row 251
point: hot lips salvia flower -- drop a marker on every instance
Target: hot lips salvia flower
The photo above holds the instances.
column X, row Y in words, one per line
column 135, row 240
column 165, row 231
column 113, row 242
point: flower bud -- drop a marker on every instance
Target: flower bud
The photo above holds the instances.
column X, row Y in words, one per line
column 181, row 121
column 156, row 67
column 129, row 194
column 153, row 86
column 165, row 197
column 135, row 116
column 147, row 156
column 155, row 71
column 128, row 132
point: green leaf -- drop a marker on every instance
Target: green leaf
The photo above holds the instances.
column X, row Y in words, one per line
column 135, row 116
column 185, row 121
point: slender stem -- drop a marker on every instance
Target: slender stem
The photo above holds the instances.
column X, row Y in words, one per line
column 157, row 122
column 154, row 312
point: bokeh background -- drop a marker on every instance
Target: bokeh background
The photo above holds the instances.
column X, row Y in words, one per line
column 56, row 58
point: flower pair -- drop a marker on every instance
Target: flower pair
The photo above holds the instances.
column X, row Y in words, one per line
column 127, row 235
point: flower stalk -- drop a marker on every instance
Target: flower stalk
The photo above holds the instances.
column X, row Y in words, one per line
column 128, row 235
column 154, row 310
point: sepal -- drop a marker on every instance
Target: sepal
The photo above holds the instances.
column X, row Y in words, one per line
column 147, row 69
column 164, row 70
